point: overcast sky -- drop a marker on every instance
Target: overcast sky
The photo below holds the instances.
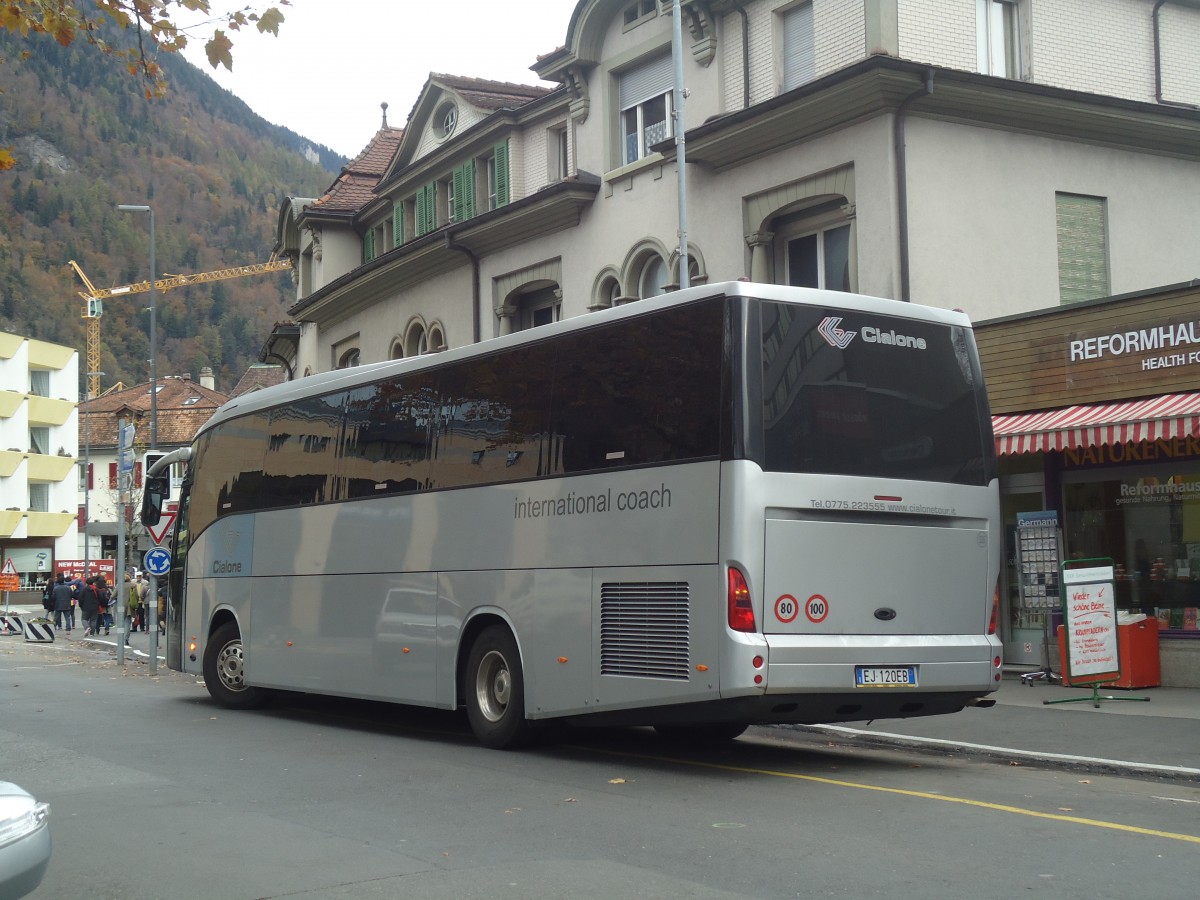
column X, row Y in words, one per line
column 335, row 61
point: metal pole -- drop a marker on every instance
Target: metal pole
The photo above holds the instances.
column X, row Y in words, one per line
column 118, row 587
column 125, row 207
column 680, row 149
column 152, row 594
column 153, row 342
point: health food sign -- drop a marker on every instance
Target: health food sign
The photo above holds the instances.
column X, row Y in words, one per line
column 1090, row 619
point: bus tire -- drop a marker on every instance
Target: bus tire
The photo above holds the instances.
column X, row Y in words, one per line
column 224, row 670
column 495, row 690
column 710, row 733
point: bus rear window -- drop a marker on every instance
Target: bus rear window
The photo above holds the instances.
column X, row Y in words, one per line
column 846, row 392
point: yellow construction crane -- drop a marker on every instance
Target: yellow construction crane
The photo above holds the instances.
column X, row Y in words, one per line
column 93, row 297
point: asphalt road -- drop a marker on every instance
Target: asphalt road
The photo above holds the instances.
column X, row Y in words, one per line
column 156, row 792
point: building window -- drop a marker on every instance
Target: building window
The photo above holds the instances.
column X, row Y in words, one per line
column 636, row 13
column 39, row 439
column 645, row 99
column 799, row 48
column 997, row 38
column 559, row 162
column 818, row 258
column 653, row 280
column 444, row 120
column 39, row 382
column 541, row 307
column 39, row 496
column 398, row 225
column 1082, row 224
column 349, row 359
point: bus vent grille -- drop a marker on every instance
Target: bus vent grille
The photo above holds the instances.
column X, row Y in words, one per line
column 645, row 630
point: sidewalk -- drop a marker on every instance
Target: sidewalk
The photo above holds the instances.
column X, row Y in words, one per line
column 1156, row 738
column 1159, row 737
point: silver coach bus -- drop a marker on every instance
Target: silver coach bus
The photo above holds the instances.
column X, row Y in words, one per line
column 734, row 504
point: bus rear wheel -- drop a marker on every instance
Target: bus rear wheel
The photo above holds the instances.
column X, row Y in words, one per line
column 224, row 670
column 495, row 690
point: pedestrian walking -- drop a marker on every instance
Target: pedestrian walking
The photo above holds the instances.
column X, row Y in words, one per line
column 105, row 597
column 143, row 588
column 61, row 603
column 89, row 606
column 132, row 607
column 77, row 586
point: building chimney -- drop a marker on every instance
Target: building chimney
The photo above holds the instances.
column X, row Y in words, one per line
column 207, row 380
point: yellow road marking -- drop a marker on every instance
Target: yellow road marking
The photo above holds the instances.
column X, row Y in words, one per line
column 923, row 795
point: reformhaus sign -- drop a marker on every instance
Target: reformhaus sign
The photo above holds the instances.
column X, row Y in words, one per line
column 1099, row 351
column 1160, row 346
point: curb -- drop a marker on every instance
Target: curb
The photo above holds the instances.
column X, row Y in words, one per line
column 854, row 737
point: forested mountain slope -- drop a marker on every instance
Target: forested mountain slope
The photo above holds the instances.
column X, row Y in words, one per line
column 87, row 139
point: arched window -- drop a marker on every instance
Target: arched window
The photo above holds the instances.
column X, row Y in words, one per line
column 349, row 359
column 654, row 277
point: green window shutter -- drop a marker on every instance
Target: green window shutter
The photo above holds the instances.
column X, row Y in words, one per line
column 464, row 191
column 397, row 224
column 501, row 156
column 1082, row 224
column 369, row 245
column 426, row 209
column 430, row 206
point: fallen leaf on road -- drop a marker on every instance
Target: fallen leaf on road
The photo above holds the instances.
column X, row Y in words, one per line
column 616, row 781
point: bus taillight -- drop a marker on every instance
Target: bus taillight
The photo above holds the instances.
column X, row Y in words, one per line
column 741, row 612
column 995, row 620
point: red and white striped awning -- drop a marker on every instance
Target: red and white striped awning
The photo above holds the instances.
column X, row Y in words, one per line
column 1075, row 427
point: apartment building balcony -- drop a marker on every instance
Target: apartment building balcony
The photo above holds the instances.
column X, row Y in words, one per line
column 48, row 411
column 48, row 524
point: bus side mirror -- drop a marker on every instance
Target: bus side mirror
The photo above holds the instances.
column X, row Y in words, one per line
column 156, row 492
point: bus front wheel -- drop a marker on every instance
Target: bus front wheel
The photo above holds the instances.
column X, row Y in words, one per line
column 495, row 690
column 224, row 670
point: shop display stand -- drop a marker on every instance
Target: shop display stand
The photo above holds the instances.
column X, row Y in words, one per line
column 1038, row 550
column 1046, row 673
column 1089, row 584
column 1094, row 699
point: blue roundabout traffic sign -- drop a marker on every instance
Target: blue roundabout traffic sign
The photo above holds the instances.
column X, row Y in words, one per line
column 158, row 561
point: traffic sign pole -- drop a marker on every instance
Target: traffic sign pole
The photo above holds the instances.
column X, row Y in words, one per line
column 158, row 562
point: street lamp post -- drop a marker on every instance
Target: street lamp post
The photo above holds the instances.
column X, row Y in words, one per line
column 153, row 336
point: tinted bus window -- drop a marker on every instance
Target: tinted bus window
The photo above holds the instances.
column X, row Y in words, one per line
column 492, row 417
column 302, row 449
column 852, row 393
column 388, row 426
column 229, row 460
column 641, row 391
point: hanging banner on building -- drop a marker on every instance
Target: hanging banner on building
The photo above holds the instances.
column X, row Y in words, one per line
column 1090, row 621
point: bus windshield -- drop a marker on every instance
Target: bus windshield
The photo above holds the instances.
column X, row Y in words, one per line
column 855, row 393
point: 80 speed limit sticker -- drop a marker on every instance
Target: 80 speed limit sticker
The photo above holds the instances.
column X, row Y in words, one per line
column 786, row 609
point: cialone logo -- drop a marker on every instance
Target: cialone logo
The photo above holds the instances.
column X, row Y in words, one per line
column 833, row 334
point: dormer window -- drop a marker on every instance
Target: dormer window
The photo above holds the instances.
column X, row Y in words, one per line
column 444, row 120
column 645, row 98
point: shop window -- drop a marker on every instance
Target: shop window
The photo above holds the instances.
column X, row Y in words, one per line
column 1147, row 520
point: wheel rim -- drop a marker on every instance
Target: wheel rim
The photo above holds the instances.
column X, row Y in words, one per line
column 493, row 685
column 230, row 666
